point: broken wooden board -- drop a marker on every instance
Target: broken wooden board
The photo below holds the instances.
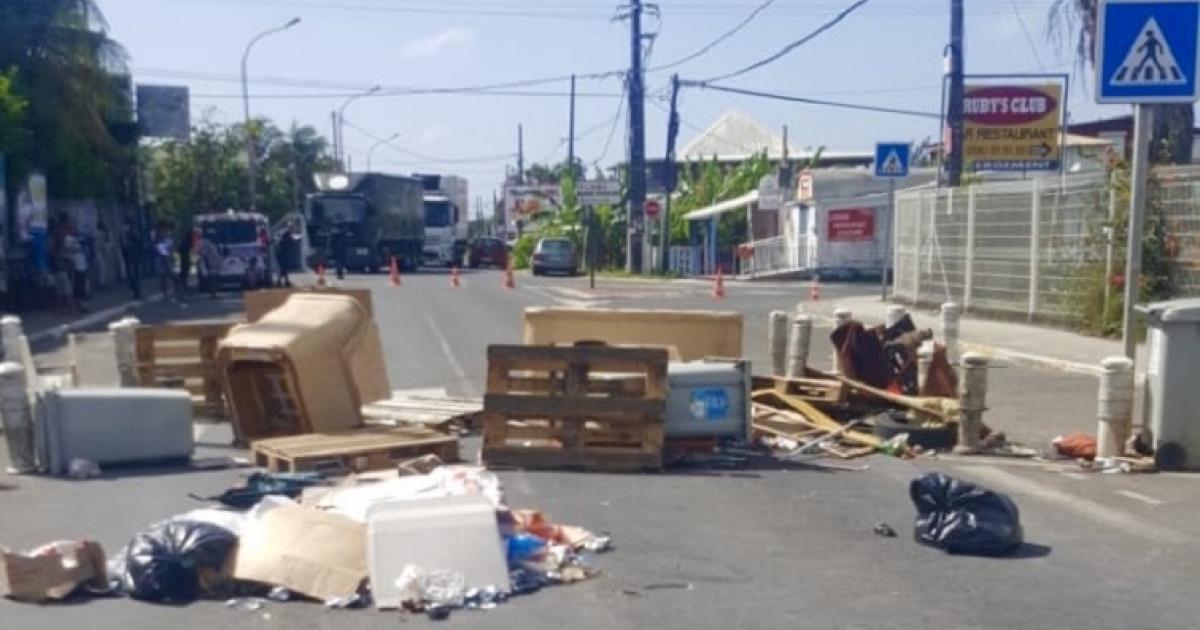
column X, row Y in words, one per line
column 940, row 409
column 812, row 415
column 811, row 389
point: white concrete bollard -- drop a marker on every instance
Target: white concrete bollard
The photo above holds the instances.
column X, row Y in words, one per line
column 840, row 316
column 799, row 341
column 125, row 342
column 973, row 401
column 18, row 421
column 10, row 337
column 924, row 360
column 951, row 314
column 777, row 340
column 895, row 313
column 1114, row 408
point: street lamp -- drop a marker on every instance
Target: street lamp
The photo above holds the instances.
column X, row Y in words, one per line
column 341, row 121
column 250, row 159
column 371, row 151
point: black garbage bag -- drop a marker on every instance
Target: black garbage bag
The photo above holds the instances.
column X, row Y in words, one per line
column 960, row 517
column 166, row 563
column 262, row 484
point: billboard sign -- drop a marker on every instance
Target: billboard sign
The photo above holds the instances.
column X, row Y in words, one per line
column 849, row 225
column 163, row 111
column 522, row 203
column 598, row 192
column 1012, row 127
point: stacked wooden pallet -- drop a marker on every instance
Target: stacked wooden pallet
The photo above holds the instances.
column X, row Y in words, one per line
column 184, row 355
column 368, row 448
column 590, row 407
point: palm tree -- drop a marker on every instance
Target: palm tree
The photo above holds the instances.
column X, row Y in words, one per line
column 76, row 82
column 1173, row 124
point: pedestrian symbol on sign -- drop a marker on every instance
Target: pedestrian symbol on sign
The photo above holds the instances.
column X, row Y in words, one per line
column 1149, row 60
column 893, row 165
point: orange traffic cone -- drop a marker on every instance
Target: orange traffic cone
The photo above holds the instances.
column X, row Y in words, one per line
column 454, row 283
column 814, row 290
column 510, row 282
column 320, row 274
column 719, row 288
column 394, row 274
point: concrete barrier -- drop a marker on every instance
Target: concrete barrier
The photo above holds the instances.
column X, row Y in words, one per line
column 687, row 335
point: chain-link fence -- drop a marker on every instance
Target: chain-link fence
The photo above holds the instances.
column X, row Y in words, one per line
column 1026, row 248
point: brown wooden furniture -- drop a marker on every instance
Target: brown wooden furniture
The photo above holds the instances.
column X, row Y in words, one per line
column 184, row 355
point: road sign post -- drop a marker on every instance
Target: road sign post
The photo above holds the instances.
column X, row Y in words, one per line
column 589, row 194
column 891, row 163
column 1147, row 53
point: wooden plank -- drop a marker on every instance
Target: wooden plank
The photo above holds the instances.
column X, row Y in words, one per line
column 631, row 409
column 370, row 448
column 813, row 415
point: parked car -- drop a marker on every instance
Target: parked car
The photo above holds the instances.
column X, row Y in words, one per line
column 488, row 251
column 232, row 248
column 555, row 254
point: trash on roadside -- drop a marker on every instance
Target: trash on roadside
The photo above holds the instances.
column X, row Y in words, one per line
column 962, row 518
column 262, row 484
column 885, row 530
column 422, row 465
column 1075, row 446
column 80, row 468
column 308, row 551
column 53, row 571
column 176, row 562
column 362, row 449
column 414, row 532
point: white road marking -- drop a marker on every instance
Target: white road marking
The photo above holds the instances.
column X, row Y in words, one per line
column 456, row 367
column 1137, row 496
column 1090, row 509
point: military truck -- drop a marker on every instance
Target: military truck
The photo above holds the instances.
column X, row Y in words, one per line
column 363, row 220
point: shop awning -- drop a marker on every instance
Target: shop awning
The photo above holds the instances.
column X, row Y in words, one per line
column 722, row 207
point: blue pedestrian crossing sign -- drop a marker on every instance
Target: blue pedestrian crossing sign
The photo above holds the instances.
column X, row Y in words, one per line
column 891, row 160
column 1147, row 51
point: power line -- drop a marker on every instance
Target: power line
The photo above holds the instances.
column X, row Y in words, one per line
column 813, row 101
column 428, row 158
column 1025, row 29
column 794, row 45
column 342, row 95
column 612, row 130
column 716, row 42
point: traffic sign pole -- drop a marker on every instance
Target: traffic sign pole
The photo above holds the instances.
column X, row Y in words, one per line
column 887, row 243
column 1142, row 126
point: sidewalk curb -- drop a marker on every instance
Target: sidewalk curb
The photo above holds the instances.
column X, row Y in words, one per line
column 1032, row 360
column 110, row 313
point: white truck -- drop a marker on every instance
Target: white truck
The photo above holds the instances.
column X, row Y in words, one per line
column 447, row 219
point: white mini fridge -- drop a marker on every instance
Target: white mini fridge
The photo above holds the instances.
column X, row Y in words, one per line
column 112, row 425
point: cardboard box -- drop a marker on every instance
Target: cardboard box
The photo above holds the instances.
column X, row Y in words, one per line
column 53, row 571
column 687, row 335
column 307, row 551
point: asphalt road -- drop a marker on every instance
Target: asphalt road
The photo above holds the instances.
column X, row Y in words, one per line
column 768, row 546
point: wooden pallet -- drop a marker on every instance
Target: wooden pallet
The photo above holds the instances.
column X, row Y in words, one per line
column 368, row 448
column 440, row 413
column 589, row 407
column 187, row 354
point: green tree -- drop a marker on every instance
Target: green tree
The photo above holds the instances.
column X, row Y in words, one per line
column 1173, row 124
column 14, row 137
column 74, row 79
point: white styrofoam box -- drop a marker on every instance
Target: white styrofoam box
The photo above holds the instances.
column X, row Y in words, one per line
column 457, row 534
column 109, row 426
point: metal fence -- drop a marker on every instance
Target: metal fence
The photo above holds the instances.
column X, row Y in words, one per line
column 778, row 254
column 1025, row 247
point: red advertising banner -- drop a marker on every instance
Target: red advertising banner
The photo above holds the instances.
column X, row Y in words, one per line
column 852, row 224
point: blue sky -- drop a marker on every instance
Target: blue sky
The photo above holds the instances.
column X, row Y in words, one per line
column 888, row 53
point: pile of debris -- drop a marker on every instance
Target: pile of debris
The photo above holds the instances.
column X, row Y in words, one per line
column 895, row 393
column 425, row 537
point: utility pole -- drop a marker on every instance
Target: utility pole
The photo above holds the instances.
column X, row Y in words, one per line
column 520, row 154
column 635, row 219
column 954, row 111
column 337, row 152
column 571, row 134
column 671, row 172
